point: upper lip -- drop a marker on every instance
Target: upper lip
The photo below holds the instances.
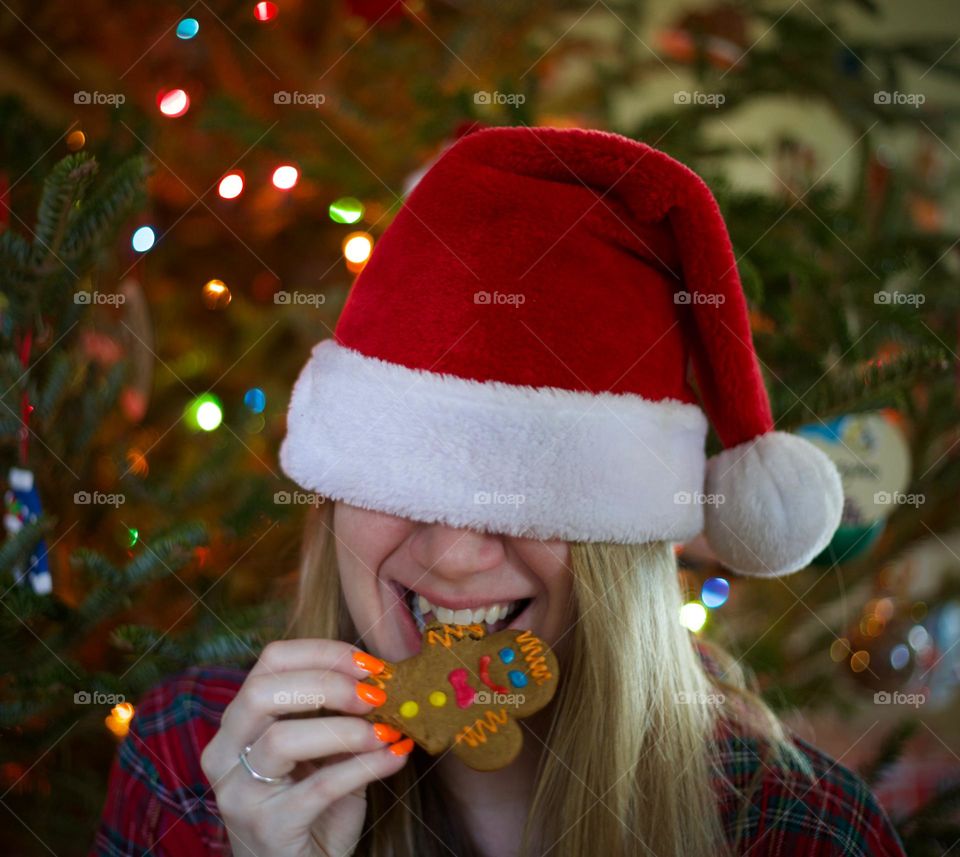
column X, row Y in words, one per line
column 454, row 602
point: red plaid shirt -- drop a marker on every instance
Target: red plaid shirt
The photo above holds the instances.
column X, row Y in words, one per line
column 160, row 802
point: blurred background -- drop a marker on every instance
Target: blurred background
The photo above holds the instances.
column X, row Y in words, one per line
column 186, row 194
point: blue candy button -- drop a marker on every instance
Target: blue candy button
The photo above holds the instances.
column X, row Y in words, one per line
column 507, row 655
column 517, row 678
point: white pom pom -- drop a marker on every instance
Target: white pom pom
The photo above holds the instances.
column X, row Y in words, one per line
column 773, row 504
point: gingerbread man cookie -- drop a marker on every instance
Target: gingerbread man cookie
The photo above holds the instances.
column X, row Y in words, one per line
column 466, row 689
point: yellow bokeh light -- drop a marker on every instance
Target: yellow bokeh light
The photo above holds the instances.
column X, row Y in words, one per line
column 357, row 247
column 693, row 616
column 860, row 660
column 118, row 720
column 216, row 294
column 209, row 416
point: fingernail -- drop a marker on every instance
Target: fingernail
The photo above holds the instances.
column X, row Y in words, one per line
column 371, row 694
column 401, row 748
column 369, row 663
column 385, row 732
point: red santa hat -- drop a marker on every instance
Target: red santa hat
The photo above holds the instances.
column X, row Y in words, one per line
column 514, row 358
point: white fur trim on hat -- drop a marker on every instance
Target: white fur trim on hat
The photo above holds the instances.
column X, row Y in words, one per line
column 540, row 462
column 779, row 501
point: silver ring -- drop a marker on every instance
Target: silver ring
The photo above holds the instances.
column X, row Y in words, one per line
column 257, row 776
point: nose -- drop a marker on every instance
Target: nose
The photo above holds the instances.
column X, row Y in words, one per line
column 454, row 553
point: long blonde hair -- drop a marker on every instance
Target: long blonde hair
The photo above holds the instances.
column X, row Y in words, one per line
column 630, row 764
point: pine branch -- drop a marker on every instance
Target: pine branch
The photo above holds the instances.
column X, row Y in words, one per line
column 107, row 207
column 60, row 371
column 94, row 406
column 17, row 547
column 62, row 189
column 849, row 391
column 890, row 751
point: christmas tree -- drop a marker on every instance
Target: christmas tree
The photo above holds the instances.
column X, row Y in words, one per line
column 186, row 198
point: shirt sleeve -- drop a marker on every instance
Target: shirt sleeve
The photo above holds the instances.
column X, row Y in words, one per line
column 158, row 800
column 829, row 811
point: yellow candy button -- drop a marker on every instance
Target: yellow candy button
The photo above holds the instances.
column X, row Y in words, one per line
column 438, row 698
column 409, row 709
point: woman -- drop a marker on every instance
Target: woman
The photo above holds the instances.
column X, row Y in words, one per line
column 503, row 424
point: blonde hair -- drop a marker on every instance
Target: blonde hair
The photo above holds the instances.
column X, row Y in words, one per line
column 631, row 765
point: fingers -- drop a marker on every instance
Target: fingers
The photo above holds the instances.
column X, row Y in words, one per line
column 316, row 654
column 287, row 742
column 303, row 802
column 266, row 696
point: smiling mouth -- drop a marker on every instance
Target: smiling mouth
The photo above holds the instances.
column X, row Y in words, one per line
column 496, row 615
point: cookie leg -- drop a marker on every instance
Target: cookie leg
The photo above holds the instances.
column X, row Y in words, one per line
column 491, row 742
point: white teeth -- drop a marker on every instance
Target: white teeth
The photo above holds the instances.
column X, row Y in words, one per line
column 489, row 614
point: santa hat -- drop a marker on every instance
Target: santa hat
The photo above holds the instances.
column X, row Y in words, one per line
column 514, row 358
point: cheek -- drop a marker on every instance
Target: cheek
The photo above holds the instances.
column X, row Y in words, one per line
column 363, row 541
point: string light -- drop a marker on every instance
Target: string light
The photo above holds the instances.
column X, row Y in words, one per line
column 840, row 650
column 143, row 239
column 173, row 102
column 255, row 400
column 118, row 720
column 715, row 591
column 860, row 660
column 693, row 616
column 76, row 140
column 285, row 177
column 137, row 461
column 231, row 185
column 133, row 536
column 899, row 656
column 264, row 12
column 357, row 247
column 347, row 209
column 204, row 412
column 216, row 294
column 188, row 28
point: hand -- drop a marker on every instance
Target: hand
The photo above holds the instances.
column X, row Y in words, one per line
column 318, row 810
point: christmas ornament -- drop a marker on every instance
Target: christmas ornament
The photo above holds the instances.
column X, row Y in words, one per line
column 21, row 506
column 873, row 459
